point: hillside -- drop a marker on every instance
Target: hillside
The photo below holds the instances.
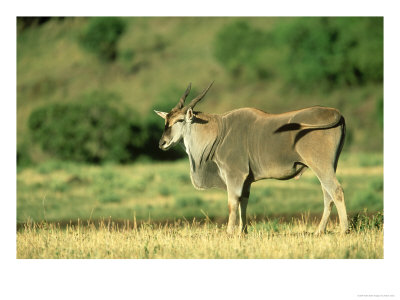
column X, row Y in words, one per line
column 157, row 58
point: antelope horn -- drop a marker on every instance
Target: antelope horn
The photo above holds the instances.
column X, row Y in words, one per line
column 199, row 97
column 181, row 102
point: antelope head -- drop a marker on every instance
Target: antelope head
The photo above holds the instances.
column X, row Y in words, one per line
column 178, row 118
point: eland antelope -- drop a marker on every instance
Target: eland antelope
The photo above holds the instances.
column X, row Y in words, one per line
column 235, row 149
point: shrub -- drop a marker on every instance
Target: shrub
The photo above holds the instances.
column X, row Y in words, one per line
column 332, row 51
column 306, row 52
column 89, row 131
column 101, row 36
column 97, row 128
column 362, row 222
column 240, row 49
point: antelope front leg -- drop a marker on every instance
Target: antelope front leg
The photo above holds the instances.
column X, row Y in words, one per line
column 233, row 205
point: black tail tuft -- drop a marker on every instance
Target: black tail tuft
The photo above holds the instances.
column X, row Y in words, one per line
column 342, row 138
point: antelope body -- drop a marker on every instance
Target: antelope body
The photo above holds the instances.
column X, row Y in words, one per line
column 237, row 148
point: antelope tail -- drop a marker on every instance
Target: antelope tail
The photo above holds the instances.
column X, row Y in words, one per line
column 321, row 126
column 304, row 126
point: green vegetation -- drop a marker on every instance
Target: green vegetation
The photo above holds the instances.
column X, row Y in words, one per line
column 96, row 128
column 59, row 191
column 306, row 52
column 379, row 111
column 86, row 131
column 87, row 136
column 362, row 222
column 333, row 52
column 101, row 36
column 242, row 50
column 259, row 62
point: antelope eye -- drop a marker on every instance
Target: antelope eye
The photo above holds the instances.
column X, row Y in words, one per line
column 177, row 121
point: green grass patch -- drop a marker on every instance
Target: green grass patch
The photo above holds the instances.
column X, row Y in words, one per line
column 68, row 191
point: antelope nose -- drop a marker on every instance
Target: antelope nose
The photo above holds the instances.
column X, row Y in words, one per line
column 161, row 144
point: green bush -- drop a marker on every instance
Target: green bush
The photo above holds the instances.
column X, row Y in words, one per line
column 306, row 52
column 90, row 130
column 101, row 36
column 240, row 49
column 361, row 221
column 332, row 51
column 97, row 128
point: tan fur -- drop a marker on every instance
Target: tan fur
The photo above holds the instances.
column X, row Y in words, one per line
column 237, row 148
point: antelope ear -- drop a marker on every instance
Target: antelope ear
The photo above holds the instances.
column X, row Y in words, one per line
column 161, row 114
column 189, row 115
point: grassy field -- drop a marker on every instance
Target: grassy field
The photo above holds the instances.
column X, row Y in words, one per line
column 151, row 210
column 194, row 240
column 69, row 209
column 60, row 192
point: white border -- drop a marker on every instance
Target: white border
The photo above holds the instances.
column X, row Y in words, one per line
column 251, row 279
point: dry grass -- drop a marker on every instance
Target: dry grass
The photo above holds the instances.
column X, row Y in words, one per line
column 57, row 192
column 265, row 240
